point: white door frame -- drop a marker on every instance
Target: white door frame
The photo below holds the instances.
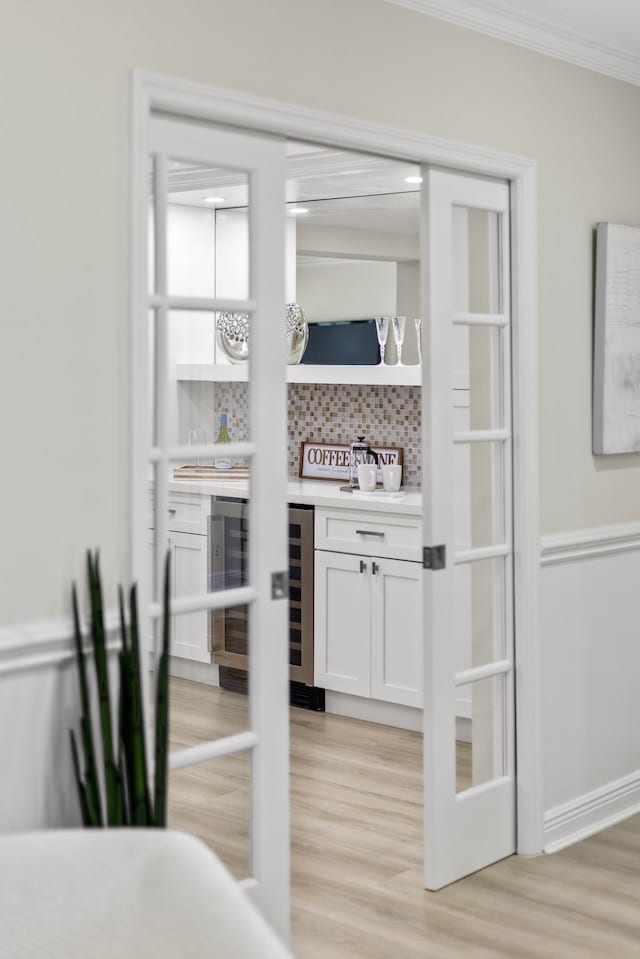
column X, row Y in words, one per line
column 151, row 91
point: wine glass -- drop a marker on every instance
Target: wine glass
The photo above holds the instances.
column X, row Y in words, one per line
column 418, row 324
column 197, row 438
column 382, row 331
column 398, row 335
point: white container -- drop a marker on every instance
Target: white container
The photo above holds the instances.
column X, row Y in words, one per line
column 392, row 477
column 367, row 476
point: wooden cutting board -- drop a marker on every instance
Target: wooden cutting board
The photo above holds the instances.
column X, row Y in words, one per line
column 210, row 472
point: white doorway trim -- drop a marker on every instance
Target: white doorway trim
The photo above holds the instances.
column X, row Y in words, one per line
column 182, row 98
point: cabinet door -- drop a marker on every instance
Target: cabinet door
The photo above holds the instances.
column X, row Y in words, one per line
column 190, row 637
column 396, row 632
column 342, row 654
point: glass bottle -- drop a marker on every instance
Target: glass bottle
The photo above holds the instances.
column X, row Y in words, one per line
column 223, row 462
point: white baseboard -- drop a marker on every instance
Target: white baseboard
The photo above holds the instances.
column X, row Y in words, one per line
column 373, row 711
column 591, row 812
column 206, row 673
column 387, row 714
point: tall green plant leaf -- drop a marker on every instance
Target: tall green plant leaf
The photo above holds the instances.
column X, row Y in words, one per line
column 94, row 802
column 138, row 783
column 113, row 787
column 123, row 714
column 126, row 786
column 162, row 709
column 134, row 754
column 126, row 811
column 92, row 786
column 124, row 634
column 82, row 792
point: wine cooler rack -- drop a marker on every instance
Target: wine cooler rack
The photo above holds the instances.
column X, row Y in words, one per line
column 229, row 563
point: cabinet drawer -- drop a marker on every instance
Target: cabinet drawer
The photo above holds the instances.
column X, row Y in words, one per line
column 390, row 535
column 187, row 512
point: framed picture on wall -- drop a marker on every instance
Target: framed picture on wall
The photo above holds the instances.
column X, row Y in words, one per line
column 616, row 345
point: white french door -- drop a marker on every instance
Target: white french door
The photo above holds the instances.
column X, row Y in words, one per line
column 184, row 158
column 469, row 724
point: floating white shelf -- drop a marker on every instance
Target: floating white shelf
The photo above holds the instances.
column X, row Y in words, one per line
column 356, row 375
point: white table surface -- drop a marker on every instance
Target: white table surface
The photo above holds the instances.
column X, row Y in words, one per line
column 120, row 893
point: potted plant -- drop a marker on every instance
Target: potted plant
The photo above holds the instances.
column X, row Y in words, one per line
column 123, row 795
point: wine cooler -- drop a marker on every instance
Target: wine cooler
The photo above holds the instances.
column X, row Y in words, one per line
column 230, row 545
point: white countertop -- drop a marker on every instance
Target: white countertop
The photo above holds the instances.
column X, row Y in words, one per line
column 312, row 493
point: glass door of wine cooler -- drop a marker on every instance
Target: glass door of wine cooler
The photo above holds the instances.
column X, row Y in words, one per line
column 229, row 562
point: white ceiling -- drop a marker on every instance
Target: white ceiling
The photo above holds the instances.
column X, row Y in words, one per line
column 335, row 187
column 602, row 35
column 382, row 213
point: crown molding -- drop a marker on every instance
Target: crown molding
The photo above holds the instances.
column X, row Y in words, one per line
column 551, row 36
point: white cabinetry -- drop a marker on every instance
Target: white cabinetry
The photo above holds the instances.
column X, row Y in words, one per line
column 190, row 638
column 368, row 607
column 342, row 631
column 396, row 631
column 187, row 544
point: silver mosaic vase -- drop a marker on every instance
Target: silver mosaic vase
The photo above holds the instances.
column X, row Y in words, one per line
column 297, row 333
column 232, row 331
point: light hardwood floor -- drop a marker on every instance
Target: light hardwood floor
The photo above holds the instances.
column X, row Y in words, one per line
column 356, row 851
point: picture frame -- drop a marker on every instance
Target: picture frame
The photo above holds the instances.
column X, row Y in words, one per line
column 330, row 461
column 616, row 343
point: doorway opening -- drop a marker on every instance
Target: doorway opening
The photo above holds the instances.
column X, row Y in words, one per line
column 358, row 241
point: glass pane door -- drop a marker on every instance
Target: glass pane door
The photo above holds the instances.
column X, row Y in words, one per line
column 469, row 678
column 216, row 297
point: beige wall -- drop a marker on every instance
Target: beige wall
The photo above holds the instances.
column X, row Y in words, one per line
column 65, row 351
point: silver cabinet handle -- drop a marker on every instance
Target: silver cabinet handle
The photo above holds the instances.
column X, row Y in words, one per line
column 374, row 568
column 369, row 532
column 171, row 510
column 363, row 566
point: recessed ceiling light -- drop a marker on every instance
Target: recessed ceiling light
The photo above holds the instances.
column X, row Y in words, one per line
column 413, row 179
column 214, row 199
column 298, row 210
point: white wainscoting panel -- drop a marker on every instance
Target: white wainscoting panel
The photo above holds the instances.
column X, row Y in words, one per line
column 39, row 704
column 590, row 629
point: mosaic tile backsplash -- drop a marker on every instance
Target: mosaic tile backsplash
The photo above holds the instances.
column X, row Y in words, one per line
column 387, row 415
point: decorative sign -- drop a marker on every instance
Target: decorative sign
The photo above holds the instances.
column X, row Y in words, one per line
column 330, row 461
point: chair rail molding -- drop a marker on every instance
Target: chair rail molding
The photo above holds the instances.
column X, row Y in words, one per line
column 553, row 36
column 48, row 643
column 588, row 543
